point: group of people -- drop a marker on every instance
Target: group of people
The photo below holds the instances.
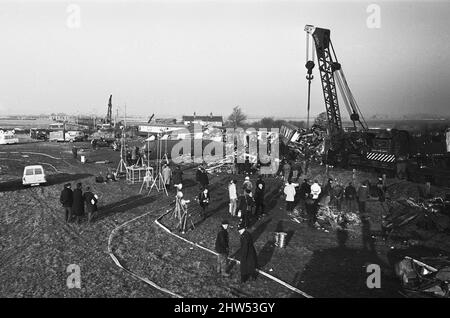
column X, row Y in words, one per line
column 171, row 178
column 75, row 203
column 332, row 193
column 134, row 156
column 248, row 257
column 109, row 176
column 250, row 203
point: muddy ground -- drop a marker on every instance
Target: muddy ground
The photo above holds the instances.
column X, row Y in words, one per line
column 36, row 246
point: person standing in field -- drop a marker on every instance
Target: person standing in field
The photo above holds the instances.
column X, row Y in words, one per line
column 177, row 176
column 167, row 175
column 203, row 200
column 363, row 196
column 381, row 191
column 286, row 171
column 259, row 197
column 311, row 210
column 289, row 191
column 222, row 248
column 305, row 189
column 66, row 199
column 74, row 152
column 202, row 177
column 315, row 190
column 91, row 201
column 247, row 185
column 350, row 197
column 133, row 157
column 248, row 255
column 338, row 195
column 326, row 193
column 296, row 170
column 245, row 207
column 233, row 197
column 78, row 203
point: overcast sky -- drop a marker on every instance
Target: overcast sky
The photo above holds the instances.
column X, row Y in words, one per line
column 177, row 57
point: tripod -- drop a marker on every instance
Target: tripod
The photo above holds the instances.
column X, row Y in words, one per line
column 122, row 165
column 147, row 179
column 180, row 213
column 158, row 181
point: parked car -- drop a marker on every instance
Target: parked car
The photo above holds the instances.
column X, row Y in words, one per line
column 75, row 135
column 33, row 175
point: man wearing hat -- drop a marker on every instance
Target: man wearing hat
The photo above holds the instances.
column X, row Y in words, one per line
column 246, row 204
column 248, row 256
column 66, row 199
column 247, row 185
column 222, row 248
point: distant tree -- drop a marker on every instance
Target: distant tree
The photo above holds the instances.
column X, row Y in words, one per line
column 322, row 120
column 267, row 122
column 299, row 124
column 237, row 117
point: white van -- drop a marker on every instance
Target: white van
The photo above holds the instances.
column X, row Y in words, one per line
column 33, row 175
column 8, row 137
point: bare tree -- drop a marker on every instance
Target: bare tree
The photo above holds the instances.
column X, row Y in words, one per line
column 237, row 117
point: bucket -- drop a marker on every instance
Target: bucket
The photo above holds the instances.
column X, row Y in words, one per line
column 280, row 239
column 83, row 159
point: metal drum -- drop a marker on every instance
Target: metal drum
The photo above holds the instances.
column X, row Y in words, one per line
column 280, row 239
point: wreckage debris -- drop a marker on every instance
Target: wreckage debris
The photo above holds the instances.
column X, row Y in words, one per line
column 421, row 279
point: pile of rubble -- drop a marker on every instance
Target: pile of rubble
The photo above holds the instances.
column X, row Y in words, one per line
column 310, row 144
column 327, row 217
column 331, row 217
column 429, row 215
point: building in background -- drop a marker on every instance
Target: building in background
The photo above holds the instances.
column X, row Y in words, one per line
column 203, row 120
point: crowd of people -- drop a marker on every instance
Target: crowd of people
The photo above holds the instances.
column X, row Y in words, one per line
column 247, row 203
column 77, row 203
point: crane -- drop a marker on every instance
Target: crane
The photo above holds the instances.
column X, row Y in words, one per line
column 109, row 112
column 331, row 73
column 382, row 150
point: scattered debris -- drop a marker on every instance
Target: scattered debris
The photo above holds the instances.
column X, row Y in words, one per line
column 430, row 215
column 421, row 279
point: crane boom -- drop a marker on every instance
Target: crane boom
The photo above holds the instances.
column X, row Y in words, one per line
column 109, row 112
column 331, row 73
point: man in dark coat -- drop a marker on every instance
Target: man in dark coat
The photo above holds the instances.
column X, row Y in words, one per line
column 202, row 177
column 66, row 199
column 305, row 189
column 177, row 176
column 203, row 200
column 74, row 152
column 222, row 248
column 248, row 256
column 350, row 197
column 362, row 196
column 311, row 210
column 78, row 203
column 259, row 197
column 245, row 206
column 204, row 180
column 338, row 195
column 91, row 203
